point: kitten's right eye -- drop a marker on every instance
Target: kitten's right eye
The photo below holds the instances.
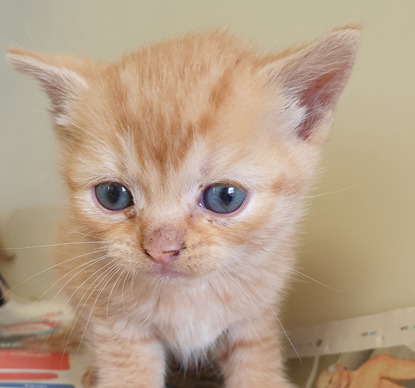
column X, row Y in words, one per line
column 113, row 196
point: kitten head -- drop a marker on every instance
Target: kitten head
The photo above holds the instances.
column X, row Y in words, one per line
column 192, row 156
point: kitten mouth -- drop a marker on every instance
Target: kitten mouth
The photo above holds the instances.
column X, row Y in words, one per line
column 166, row 271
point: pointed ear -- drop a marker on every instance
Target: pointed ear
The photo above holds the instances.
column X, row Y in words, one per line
column 312, row 79
column 62, row 77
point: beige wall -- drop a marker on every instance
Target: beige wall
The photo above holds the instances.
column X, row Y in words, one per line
column 358, row 236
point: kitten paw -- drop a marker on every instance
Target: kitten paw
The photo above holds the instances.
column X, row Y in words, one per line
column 90, row 377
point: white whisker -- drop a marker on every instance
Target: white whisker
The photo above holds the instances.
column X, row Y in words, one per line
column 95, row 281
column 122, row 294
column 50, row 245
column 275, row 314
column 112, row 290
column 291, row 269
column 43, row 271
column 331, row 192
column 314, row 280
column 287, row 336
column 254, row 307
column 68, row 300
column 109, row 276
column 64, row 276
column 83, row 267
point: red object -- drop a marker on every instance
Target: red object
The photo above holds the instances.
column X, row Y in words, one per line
column 27, row 376
column 22, row 359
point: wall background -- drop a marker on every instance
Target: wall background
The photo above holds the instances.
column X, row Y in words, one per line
column 359, row 234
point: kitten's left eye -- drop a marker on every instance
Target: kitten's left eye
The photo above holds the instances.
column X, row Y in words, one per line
column 113, row 196
column 223, row 198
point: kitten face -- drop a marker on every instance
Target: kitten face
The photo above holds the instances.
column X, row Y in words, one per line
column 174, row 121
column 167, row 146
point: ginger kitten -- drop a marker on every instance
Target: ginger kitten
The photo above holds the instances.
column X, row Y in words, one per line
column 187, row 164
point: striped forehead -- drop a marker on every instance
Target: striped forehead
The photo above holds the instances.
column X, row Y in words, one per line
column 161, row 182
column 161, row 118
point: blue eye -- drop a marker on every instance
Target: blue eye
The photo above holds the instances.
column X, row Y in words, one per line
column 113, row 196
column 223, row 198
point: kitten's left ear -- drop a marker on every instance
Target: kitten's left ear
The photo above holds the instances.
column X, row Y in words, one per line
column 62, row 78
column 311, row 80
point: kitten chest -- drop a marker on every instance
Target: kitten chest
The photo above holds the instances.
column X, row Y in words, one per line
column 191, row 323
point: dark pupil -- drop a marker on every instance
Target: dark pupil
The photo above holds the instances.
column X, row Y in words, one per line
column 227, row 195
column 114, row 193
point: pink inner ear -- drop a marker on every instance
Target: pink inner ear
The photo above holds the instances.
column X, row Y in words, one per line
column 318, row 97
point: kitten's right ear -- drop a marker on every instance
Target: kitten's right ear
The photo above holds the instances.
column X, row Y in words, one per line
column 311, row 80
column 62, row 78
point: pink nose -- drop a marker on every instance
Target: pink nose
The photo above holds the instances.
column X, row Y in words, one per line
column 163, row 257
column 164, row 244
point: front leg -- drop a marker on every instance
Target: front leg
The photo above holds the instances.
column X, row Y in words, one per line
column 253, row 358
column 126, row 362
